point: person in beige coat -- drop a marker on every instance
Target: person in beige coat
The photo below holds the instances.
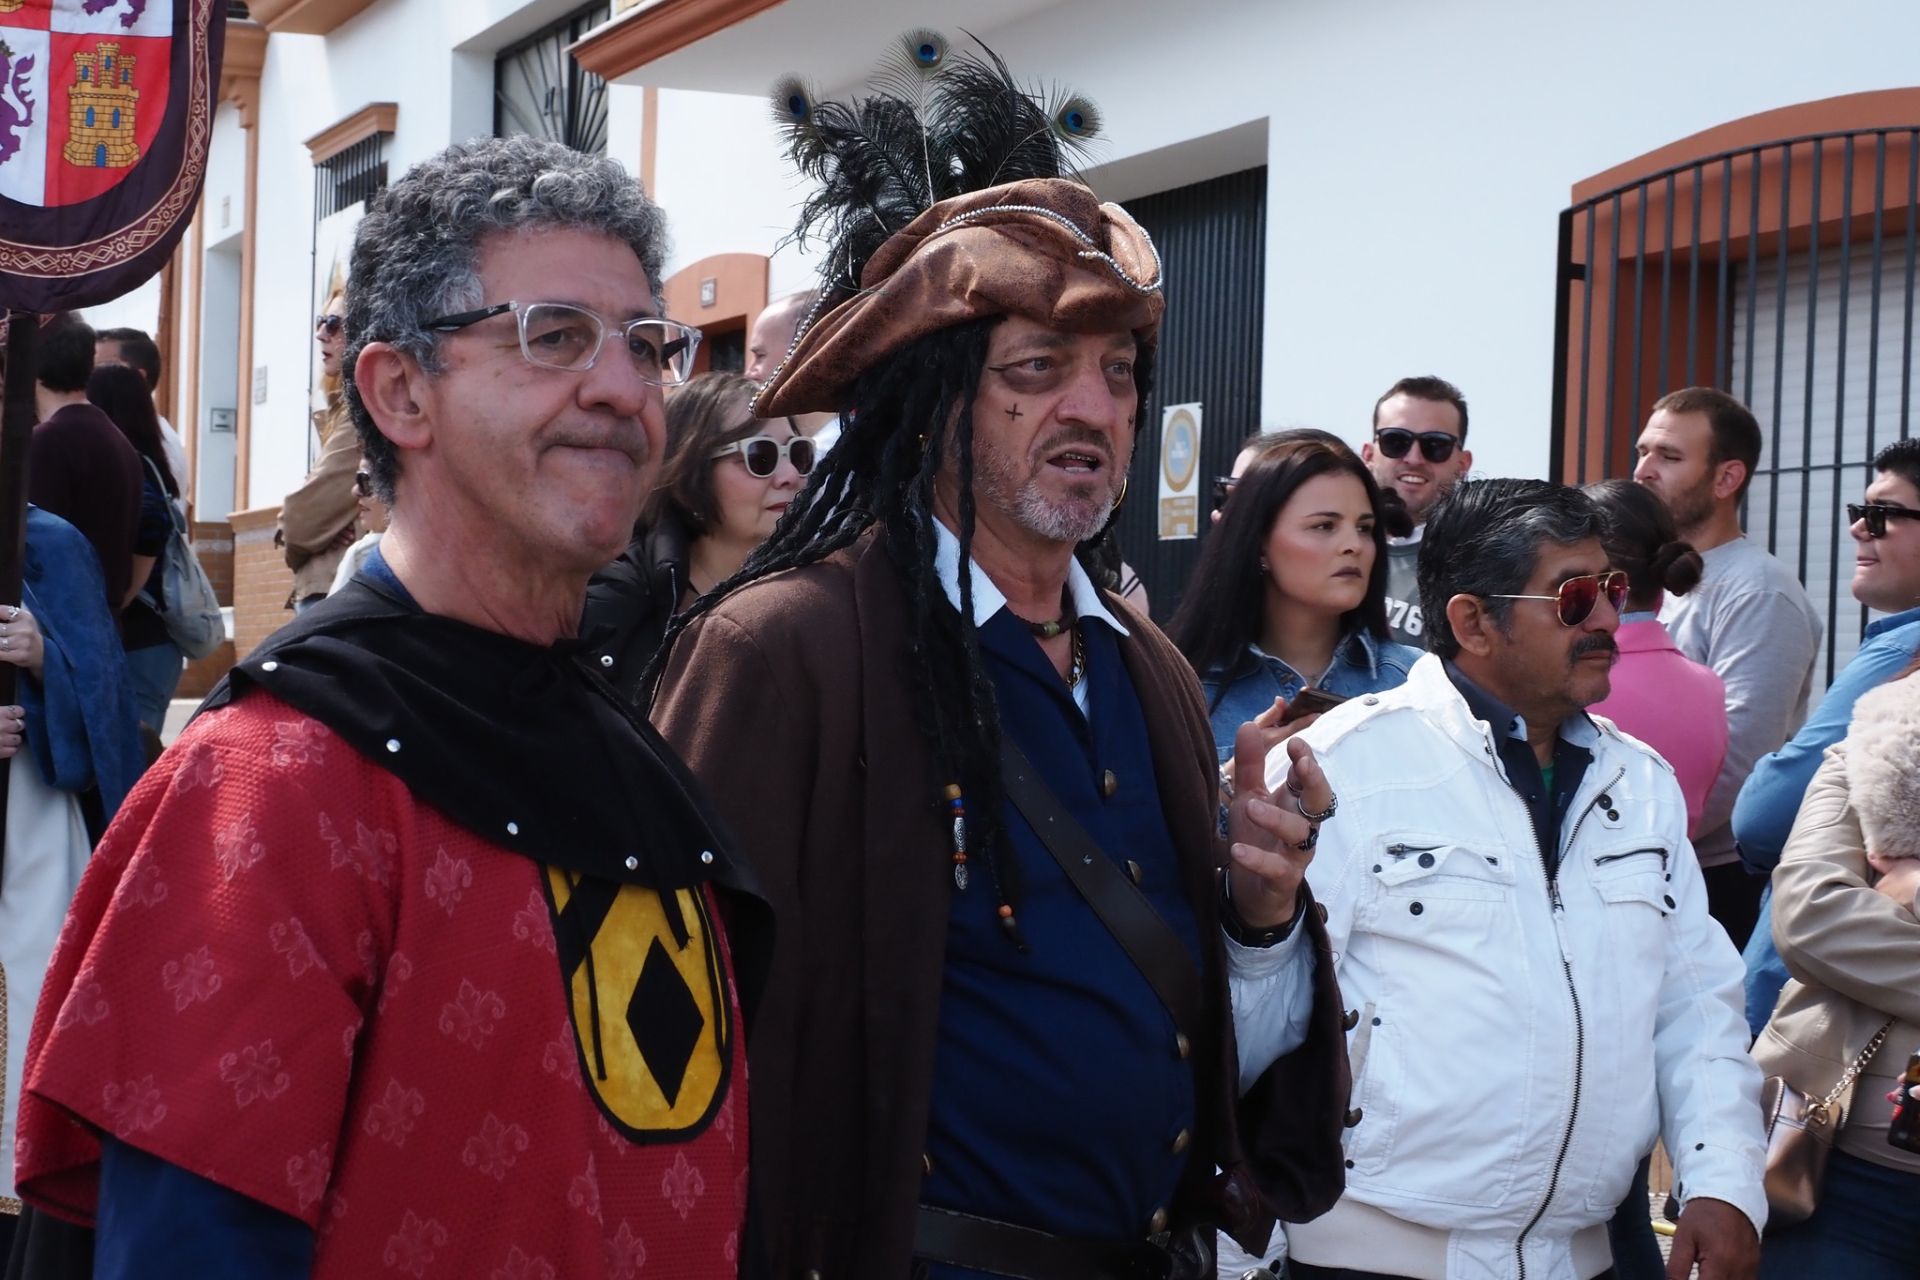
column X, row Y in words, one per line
column 1844, row 917
column 318, row 521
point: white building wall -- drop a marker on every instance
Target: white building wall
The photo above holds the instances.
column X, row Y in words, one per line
column 726, row 186
column 434, row 58
column 1419, row 154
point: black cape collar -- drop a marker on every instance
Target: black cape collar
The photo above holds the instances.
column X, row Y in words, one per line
column 527, row 747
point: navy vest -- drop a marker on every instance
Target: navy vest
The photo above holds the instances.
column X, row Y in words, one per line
column 1059, row 1095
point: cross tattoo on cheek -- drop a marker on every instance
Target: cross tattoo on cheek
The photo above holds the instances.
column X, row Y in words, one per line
column 1014, row 414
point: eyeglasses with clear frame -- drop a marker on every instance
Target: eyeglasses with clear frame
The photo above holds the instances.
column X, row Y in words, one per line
column 559, row 335
column 1876, row 514
column 762, row 454
column 1576, row 598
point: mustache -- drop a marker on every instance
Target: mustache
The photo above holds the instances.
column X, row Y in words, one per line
column 632, row 442
column 1078, row 438
column 1593, row 644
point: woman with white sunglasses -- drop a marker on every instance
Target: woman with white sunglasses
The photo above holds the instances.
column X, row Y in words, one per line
column 727, row 479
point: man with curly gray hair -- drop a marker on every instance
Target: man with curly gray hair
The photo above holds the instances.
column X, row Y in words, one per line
column 452, row 965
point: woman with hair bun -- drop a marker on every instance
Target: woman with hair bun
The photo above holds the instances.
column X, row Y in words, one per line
column 1666, row 699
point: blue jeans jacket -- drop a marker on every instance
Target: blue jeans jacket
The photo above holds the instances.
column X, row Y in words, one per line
column 1361, row 664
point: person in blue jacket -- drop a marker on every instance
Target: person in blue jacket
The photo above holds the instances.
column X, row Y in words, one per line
column 1290, row 591
column 74, row 743
column 1886, row 578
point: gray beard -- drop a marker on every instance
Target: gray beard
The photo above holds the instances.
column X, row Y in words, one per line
column 1019, row 497
column 1074, row 523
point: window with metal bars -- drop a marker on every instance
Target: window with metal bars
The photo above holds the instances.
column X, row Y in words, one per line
column 356, row 172
column 538, row 89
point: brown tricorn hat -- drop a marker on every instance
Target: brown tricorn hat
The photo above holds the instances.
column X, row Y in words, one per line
column 1044, row 248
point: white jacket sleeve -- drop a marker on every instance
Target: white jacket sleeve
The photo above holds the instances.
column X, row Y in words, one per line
column 1708, row 1083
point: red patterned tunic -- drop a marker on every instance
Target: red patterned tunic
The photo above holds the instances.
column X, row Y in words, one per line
column 286, row 975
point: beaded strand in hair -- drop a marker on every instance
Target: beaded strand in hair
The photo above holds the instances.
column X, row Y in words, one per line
column 882, row 471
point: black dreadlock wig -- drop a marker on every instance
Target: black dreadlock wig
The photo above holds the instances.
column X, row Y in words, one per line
column 943, row 124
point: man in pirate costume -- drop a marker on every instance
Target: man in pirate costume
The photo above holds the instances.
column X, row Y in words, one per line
column 979, row 791
column 416, row 954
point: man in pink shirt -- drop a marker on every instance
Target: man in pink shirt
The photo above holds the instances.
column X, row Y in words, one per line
column 1666, row 699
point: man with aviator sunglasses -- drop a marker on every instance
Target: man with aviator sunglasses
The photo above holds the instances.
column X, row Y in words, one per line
column 1521, row 933
column 1419, row 451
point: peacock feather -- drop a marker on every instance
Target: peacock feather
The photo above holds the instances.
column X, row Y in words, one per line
column 935, row 122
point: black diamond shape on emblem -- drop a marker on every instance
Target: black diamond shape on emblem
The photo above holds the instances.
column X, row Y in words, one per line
column 664, row 1020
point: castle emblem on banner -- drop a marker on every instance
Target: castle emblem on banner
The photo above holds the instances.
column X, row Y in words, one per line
column 100, row 106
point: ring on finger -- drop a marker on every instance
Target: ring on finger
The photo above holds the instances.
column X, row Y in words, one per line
column 1313, row 838
column 1333, row 806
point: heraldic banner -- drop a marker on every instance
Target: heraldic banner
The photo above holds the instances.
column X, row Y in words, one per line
column 106, row 108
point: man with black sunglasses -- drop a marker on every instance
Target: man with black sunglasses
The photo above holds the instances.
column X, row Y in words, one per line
column 1419, row 452
column 1886, row 578
column 1521, row 933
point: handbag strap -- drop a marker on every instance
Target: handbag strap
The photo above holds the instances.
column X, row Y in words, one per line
column 175, row 517
column 1845, row 1084
column 1149, row 941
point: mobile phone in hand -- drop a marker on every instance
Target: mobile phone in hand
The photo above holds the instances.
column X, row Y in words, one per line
column 1310, row 702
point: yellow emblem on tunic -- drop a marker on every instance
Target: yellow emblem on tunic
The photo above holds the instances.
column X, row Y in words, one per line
column 648, row 995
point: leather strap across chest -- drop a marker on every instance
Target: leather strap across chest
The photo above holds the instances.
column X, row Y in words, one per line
column 1148, row 940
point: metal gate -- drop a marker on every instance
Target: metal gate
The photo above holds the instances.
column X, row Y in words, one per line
column 1783, row 273
column 539, row 89
column 1212, row 238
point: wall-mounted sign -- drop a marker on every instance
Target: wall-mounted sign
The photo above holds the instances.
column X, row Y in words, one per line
column 709, row 291
column 1180, row 472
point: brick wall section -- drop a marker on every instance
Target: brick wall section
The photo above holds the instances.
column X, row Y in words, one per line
column 213, row 544
column 261, row 579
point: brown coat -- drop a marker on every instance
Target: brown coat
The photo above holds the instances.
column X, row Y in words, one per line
column 313, row 517
column 792, row 702
column 1852, row 952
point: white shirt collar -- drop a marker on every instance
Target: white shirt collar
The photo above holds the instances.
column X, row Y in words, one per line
column 987, row 598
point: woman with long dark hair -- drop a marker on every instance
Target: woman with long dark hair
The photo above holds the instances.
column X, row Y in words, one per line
column 1290, row 591
column 153, row 659
column 727, row 479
